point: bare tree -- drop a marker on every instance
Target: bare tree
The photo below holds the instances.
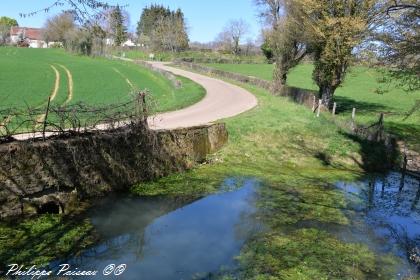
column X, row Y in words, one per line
column 398, row 32
column 57, row 27
column 82, row 10
column 223, row 41
column 237, row 29
column 284, row 36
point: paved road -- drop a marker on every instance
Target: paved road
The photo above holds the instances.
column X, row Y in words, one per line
column 222, row 100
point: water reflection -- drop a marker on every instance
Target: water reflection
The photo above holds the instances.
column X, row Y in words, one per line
column 387, row 216
column 166, row 238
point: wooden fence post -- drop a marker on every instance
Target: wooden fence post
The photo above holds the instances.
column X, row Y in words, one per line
column 319, row 107
column 45, row 119
column 334, row 108
column 353, row 114
column 313, row 104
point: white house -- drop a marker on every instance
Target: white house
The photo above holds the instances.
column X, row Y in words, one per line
column 129, row 43
column 32, row 36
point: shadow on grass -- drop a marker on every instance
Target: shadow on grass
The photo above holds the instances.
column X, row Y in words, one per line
column 376, row 156
column 346, row 105
column 42, row 239
column 408, row 131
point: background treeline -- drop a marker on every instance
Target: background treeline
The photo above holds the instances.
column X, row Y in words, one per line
column 162, row 29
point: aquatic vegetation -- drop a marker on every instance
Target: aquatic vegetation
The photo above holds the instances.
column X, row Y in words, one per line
column 310, row 254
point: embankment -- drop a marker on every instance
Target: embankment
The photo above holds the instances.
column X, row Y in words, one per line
column 54, row 175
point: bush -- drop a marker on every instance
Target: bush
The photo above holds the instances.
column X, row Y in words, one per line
column 56, row 45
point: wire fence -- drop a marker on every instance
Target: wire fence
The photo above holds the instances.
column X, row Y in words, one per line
column 76, row 118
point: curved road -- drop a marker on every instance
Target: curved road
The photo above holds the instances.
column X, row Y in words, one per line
column 222, row 100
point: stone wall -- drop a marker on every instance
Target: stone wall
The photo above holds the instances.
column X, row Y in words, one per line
column 301, row 96
column 54, row 175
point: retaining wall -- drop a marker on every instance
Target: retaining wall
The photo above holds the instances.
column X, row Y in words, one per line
column 36, row 175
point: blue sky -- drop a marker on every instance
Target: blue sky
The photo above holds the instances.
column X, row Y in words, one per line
column 205, row 18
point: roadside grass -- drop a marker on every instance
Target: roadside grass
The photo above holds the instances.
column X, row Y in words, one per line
column 361, row 90
column 27, row 79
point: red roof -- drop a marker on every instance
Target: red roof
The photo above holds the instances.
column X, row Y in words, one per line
column 28, row 33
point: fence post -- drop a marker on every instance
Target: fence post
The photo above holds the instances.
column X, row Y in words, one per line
column 319, row 107
column 313, row 104
column 334, row 108
column 353, row 114
column 381, row 127
column 45, row 119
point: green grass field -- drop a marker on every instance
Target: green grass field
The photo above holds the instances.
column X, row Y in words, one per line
column 360, row 90
column 29, row 76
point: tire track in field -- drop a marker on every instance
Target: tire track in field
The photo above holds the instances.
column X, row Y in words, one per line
column 53, row 95
column 124, row 77
column 70, row 84
column 57, row 83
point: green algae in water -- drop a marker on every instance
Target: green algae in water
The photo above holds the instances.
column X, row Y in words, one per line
column 167, row 238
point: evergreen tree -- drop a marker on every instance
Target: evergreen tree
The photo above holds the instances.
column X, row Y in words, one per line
column 150, row 17
column 165, row 29
column 118, row 27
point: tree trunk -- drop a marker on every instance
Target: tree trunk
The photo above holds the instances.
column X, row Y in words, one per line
column 327, row 95
column 279, row 78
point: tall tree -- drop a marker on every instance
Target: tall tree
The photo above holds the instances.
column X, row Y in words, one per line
column 165, row 29
column 334, row 28
column 284, row 37
column 8, row 21
column 149, row 18
column 236, row 29
column 5, row 24
column 118, row 28
column 399, row 37
column 57, row 27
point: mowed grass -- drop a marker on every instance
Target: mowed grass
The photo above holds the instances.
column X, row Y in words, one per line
column 27, row 79
column 360, row 91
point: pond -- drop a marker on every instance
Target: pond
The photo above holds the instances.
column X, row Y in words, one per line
column 385, row 215
column 172, row 238
column 195, row 238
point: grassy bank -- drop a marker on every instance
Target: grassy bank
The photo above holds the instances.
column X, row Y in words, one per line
column 28, row 77
column 298, row 158
column 361, row 90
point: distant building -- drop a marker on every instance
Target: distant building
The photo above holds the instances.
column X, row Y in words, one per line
column 109, row 41
column 129, row 43
column 32, row 36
